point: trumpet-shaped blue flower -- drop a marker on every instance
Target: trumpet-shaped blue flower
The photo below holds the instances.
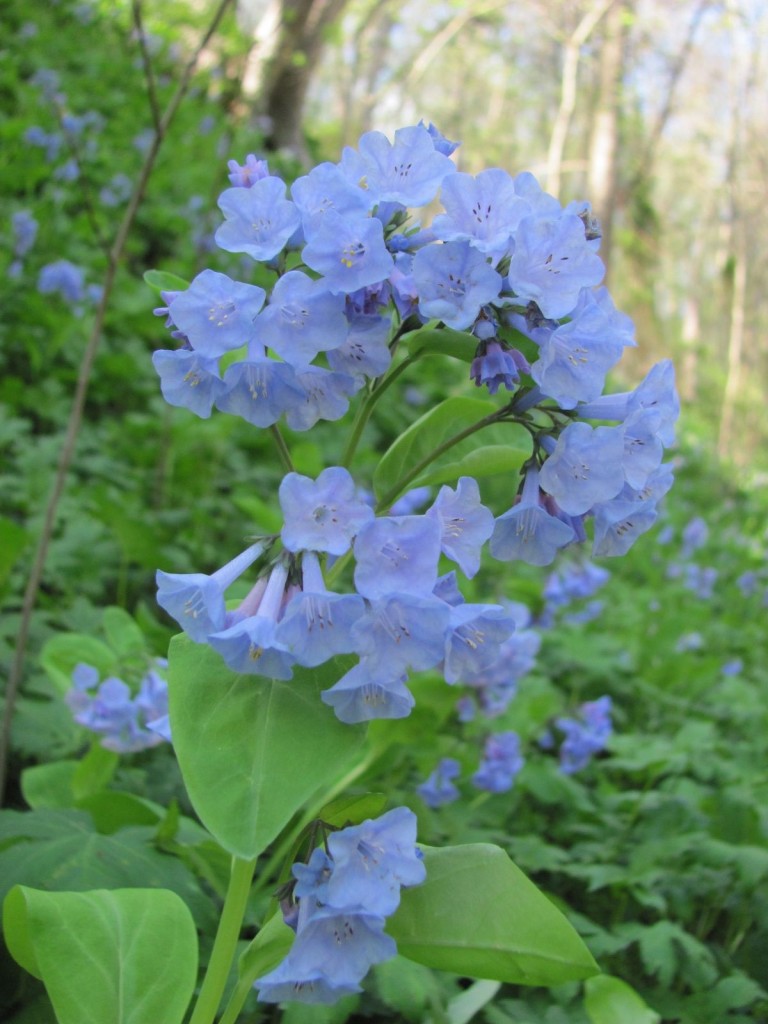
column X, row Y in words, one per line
column 465, row 523
column 365, row 351
column 63, row 278
column 575, row 357
column 501, row 763
column 439, row 789
column 403, row 631
column 349, row 252
column 250, row 645
column 189, row 380
column 619, row 523
column 259, row 219
column 325, row 397
column 552, row 262
column 216, row 313
column 123, row 721
column 528, row 532
column 260, row 390
column 586, row 467
column 317, row 624
column 196, row 601
column 482, row 210
column 331, row 954
column 454, row 281
column 365, row 693
column 474, row 640
column 643, row 450
column 327, row 188
column 323, row 514
column 397, row 555
column 586, row 735
column 372, row 861
column 301, row 319
column 344, row 896
column 408, row 171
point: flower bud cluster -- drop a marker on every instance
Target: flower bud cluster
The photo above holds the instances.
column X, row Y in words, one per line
column 338, row 908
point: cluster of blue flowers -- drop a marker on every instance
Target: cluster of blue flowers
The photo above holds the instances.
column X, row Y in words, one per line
column 24, row 227
column 338, row 908
column 126, row 722
column 402, row 616
column 504, row 259
column 351, row 274
column 585, row 735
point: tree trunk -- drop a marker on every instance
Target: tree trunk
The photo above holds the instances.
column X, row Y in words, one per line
column 303, row 25
column 604, row 141
column 571, row 55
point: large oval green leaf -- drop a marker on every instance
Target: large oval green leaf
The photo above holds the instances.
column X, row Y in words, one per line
column 128, row 956
column 478, row 915
column 496, row 448
column 252, row 750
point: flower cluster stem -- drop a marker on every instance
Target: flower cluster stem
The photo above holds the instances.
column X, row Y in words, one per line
column 225, row 943
column 394, row 492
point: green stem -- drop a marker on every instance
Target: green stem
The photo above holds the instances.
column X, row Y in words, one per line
column 419, row 468
column 366, row 408
column 240, row 993
column 278, row 855
column 282, row 448
column 245, row 983
column 225, row 943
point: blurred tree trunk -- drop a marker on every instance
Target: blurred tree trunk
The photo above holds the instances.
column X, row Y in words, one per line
column 735, row 341
column 569, row 75
column 737, row 222
column 602, row 174
column 289, row 41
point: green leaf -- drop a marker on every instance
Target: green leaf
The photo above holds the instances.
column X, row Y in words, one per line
column 60, row 850
column 505, row 446
column 266, row 951
column 61, row 653
column 129, row 955
column 405, row 986
column 94, row 771
column 49, row 785
column 608, row 1000
column 252, row 750
column 112, row 810
column 353, row 809
column 463, row 1007
column 485, row 460
column 162, row 281
column 478, row 915
column 123, row 635
column 442, row 341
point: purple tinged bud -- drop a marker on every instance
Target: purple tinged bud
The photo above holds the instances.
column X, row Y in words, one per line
column 247, row 174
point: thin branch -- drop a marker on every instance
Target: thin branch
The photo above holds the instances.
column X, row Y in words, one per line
column 146, row 60
column 85, row 190
column 76, row 415
column 646, row 160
